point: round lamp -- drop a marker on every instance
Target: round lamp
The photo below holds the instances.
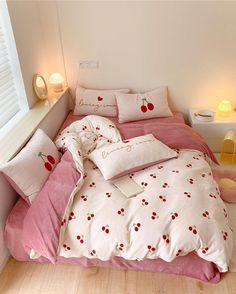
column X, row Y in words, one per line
column 56, row 80
column 225, row 107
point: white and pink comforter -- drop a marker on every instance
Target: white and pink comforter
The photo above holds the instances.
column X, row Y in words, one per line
column 180, row 210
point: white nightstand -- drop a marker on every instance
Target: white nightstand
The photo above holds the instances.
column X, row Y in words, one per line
column 213, row 132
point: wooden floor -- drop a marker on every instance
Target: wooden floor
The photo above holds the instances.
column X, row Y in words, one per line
column 33, row 278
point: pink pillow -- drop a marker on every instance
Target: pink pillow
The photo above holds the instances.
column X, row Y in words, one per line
column 100, row 102
column 143, row 106
column 29, row 169
column 131, row 155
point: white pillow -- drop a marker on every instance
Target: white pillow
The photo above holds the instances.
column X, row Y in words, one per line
column 143, row 106
column 29, row 169
column 100, row 102
column 127, row 156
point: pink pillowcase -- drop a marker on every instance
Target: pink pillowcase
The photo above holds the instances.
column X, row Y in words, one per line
column 98, row 102
column 143, row 106
column 131, row 155
column 29, row 169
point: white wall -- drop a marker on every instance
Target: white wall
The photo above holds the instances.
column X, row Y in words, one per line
column 189, row 46
column 26, row 25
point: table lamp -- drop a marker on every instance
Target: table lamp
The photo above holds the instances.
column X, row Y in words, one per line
column 56, row 80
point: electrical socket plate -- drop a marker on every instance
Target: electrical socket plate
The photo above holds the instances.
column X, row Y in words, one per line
column 91, row 64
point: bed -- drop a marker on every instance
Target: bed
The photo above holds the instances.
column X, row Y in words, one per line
column 184, row 264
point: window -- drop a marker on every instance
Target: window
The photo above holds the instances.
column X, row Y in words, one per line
column 13, row 102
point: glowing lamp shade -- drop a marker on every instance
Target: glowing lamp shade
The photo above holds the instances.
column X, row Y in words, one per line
column 56, row 80
column 225, row 107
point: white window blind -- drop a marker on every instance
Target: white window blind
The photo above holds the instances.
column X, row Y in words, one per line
column 13, row 103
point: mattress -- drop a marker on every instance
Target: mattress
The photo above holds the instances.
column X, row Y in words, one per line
column 189, row 265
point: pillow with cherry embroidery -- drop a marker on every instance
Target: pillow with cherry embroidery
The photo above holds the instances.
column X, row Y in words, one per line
column 119, row 159
column 29, row 169
column 143, row 106
column 100, row 102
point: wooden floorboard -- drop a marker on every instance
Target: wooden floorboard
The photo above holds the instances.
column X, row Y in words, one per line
column 34, row 278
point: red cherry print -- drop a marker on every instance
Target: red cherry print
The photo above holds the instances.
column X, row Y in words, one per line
column 166, row 238
column 119, row 212
column 144, row 108
column 81, row 241
column 106, row 229
column 48, row 166
column 193, row 229
column 89, row 218
column 78, row 237
column 204, row 250
column 51, row 159
column 165, row 185
column 100, row 98
column 178, row 253
column 174, row 215
column 153, row 249
column 149, row 247
column 64, row 245
column 144, row 202
column 122, row 209
column 150, row 106
column 68, row 248
column 92, row 215
column 131, row 176
column 136, row 226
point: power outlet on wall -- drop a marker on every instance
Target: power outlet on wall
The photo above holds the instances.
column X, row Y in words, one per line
column 89, row 64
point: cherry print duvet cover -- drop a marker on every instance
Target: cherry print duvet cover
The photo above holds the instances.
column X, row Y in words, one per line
column 180, row 210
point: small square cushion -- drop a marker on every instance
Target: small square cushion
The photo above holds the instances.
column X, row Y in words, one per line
column 98, row 102
column 119, row 159
column 29, row 169
column 143, row 106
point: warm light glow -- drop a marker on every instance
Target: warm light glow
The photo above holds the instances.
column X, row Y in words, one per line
column 225, row 107
column 56, row 79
